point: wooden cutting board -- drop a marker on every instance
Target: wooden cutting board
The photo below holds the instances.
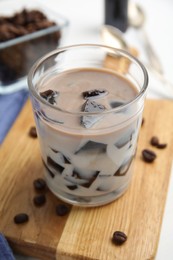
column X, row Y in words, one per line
column 86, row 232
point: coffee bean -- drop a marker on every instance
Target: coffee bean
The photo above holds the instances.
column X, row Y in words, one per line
column 39, row 184
column 161, row 146
column 148, row 155
column 143, row 121
column 62, row 210
column 39, row 200
column 21, row 218
column 33, row 132
column 154, row 141
column 22, row 23
column 119, row 237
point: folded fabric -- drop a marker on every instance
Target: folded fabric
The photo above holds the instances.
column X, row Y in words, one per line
column 5, row 251
column 10, row 106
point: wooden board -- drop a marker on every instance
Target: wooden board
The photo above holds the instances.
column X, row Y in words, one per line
column 86, row 232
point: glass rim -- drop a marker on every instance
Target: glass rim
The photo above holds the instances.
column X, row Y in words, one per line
column 62, row 49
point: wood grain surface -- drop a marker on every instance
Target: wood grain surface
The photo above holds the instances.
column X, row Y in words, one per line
column 86, row 232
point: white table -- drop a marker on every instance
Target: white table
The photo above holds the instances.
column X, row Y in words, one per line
column 86, row 19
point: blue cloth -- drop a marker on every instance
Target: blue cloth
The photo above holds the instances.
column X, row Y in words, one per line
column 5, row 251
column 10, row 106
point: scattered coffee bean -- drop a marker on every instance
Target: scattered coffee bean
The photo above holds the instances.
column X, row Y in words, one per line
column 21, row 218
column 39, row 200
column 148, row 155
column 161, row 146
column 33, row 132
column 62, row 210
column 119, row 237
column 154, row 141
column 143, row 121
column 39, row 184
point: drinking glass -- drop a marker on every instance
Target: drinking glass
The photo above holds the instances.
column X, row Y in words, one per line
column 88, row 141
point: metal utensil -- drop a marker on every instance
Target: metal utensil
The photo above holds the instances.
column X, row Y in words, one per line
column 112, row 36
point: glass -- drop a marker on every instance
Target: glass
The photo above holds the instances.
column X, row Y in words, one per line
column 88, row 102
column 19, row 54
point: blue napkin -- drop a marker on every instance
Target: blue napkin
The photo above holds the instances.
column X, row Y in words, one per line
column 5, row 250
column 10, row 106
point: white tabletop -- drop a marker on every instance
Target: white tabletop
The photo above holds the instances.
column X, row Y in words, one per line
column 86, row 19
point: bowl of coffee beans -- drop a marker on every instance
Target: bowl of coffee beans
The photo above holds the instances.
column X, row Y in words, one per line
column 28, row 30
